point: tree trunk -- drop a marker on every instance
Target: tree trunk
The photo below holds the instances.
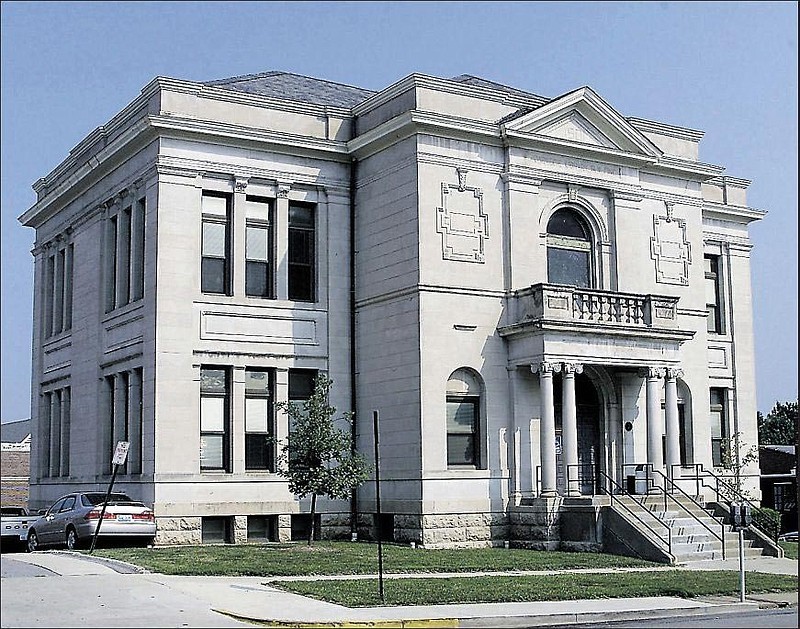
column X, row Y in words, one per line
column 313, row 517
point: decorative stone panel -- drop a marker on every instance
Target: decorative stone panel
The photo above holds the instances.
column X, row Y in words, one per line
column 670, row 249
column 462, row 222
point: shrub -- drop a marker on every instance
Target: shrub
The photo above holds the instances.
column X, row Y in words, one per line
column 769, row 521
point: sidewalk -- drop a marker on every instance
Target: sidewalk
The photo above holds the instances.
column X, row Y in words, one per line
column 254, row 599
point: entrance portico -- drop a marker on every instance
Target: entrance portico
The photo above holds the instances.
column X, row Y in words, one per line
column 634, row 341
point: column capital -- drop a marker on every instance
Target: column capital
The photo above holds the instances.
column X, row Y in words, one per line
column 572, row 368
column 545, row 367
column 671, row 373
column 240, row 183
column 282, row 191
column 651, row 373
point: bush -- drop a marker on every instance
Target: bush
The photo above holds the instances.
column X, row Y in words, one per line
column 769, row 521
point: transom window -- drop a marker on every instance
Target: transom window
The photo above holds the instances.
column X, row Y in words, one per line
column 569, row 249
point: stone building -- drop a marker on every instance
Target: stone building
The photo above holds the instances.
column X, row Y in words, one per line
column 545, row 299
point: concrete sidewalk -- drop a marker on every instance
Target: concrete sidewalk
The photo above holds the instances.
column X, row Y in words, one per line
column 254, row 599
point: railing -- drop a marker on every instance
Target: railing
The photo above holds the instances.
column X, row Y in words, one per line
column 586, row 476
column 674, row 487
column 613, row 484
column 729, row 493
column 557, row 302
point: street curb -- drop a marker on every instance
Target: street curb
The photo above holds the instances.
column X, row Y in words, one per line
column 122, row 567
column 491, row 622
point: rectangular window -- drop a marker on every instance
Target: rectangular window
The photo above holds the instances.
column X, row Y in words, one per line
column 713, row 294
column 301, row 386
column 258, row 421
column 49, row 282
column 719, row 428
column 217, row 530
column 258, row 248
column 137, row 250
column 214, row 419
column 462, row 431
column 215, row 270
column 302, row 268
column 262, row 528
column 68, row 264
column 111, row 263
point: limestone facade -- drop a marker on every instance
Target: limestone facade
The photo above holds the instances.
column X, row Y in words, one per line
column 541, row 297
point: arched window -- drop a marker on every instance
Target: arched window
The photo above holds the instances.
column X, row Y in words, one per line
column 464, row 390
column 569, row 249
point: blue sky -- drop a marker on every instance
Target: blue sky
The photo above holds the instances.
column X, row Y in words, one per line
column 727, row 68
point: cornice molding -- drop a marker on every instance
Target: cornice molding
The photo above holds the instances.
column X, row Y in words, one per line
column 652, row 126
column 698, row 171
column 732, row 213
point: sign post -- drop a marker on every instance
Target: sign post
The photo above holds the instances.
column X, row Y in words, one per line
column 741, row 518
column 120, row 454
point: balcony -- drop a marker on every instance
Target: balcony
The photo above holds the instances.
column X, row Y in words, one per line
column 567, row 321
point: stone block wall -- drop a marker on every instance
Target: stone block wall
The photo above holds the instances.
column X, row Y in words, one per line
column 15, row 468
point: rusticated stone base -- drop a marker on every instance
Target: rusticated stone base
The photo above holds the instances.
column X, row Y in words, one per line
column 536, row 524
column 179, row 531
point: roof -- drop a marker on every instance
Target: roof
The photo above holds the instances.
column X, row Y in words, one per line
column 15, row 432
column 286, row 85
column 476, row 81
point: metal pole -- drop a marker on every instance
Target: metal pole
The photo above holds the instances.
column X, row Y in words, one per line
column 378, row 502
column 741, row 564
column 103, row 510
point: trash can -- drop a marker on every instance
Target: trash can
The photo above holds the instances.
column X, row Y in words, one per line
column 640, row 483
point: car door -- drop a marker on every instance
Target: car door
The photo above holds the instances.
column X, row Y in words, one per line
column 64, row 516
column 46, row 527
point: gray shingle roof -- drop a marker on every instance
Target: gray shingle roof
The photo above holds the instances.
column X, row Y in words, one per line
column 469, row 79
column 285, row 85
column 14, row 432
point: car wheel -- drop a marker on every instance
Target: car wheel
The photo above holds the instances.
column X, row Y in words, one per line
column 73, row 543
column 33, row 541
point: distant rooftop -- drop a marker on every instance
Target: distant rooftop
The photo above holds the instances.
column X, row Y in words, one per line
column 306, row 89
column 15, row 432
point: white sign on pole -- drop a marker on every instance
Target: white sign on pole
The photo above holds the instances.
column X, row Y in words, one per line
column 121, row 453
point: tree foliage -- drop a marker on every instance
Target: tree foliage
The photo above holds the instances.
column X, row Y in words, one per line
column 779, row 427
column 318, row 459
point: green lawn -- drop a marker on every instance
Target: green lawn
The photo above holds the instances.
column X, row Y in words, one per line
column 789, row 549
column 501, row 589
column 327, row 558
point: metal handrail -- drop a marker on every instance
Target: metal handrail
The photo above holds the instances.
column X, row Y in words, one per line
column 583, row 479
column 673, row 486
column 635, row 515
column 734, row 492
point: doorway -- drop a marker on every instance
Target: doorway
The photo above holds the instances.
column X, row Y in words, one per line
column 588, row 418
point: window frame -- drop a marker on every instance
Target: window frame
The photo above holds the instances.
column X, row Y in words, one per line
column 721, row 408
column 559, row 242
column 227, row 257
column 225, row 433
column 475, row 433
column 268, row 464
column 311, row 254
column 714, row 274
column 267, row 224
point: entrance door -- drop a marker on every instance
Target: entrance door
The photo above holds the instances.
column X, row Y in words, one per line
column 589, row 443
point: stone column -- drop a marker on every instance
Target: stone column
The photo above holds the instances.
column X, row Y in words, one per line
column 673, row 426
column 569, row 427
column 547, row 429
column 655, row 429
column 238, row 419
column 282, row 241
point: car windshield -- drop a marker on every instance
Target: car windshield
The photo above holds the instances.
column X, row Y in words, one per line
column 91, row 500
column 12, row 511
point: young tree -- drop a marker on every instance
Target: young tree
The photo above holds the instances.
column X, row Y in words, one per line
column 318, row 458
column 736, row 456
column 779, row 427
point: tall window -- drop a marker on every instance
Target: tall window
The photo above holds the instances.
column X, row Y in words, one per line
column 569, row 249
column 258, row 248
column 124, row 258
column 713, row 294
column 463, row 419
column 57, row 292
column 301, row 252
column 214, row 419
column 301, row 386
column 258, row 423
column 215, row 271
column 719, row 428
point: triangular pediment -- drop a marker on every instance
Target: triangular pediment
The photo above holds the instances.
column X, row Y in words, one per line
column 584, row 118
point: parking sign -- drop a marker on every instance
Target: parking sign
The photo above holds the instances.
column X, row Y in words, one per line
column 121, row 453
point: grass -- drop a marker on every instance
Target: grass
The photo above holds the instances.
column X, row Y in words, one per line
column 329, row 558
column 789, row 549
column 503, row 589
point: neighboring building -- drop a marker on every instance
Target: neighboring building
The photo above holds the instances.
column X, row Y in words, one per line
column 520, row 285
column 15, row 462
column 778, row 465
